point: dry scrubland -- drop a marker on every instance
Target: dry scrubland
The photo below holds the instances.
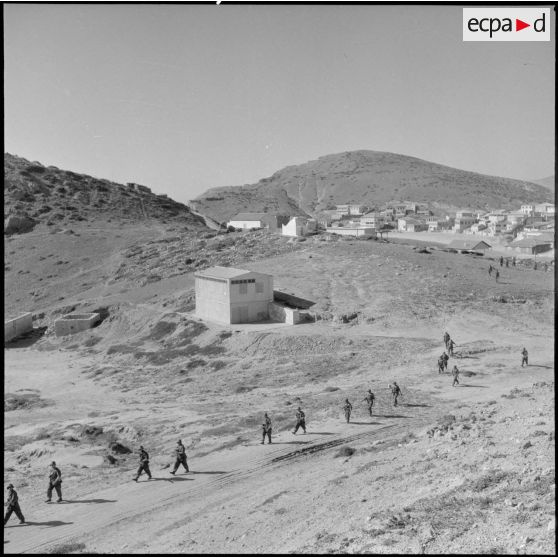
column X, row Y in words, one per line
column 467, row 469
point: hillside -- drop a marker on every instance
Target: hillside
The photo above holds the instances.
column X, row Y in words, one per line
column 36, row 194
column 458, row 470
column 547, row 182
column 370, row 177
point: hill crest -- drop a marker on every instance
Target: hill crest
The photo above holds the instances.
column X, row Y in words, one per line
column 372, row 178
column 34, row 193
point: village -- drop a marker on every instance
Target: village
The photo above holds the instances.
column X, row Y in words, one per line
column 527, row 231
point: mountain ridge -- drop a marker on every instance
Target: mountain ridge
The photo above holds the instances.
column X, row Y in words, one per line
column 371, row 178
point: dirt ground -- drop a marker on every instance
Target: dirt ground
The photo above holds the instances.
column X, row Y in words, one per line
column 467, row 469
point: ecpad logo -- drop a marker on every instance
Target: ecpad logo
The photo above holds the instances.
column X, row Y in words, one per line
column 506, row 24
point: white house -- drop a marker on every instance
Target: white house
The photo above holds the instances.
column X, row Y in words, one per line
column 411, row 225
column 548, row 209
column 372, row 219
column 527, row 209
column 249, row 221
column 464, row 220
column 299, row 226
column 351, row 208
column 233, row 296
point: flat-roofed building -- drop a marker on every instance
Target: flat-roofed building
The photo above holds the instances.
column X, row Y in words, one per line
column 233, row 296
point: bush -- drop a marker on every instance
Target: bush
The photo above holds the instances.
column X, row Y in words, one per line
column 345, row 451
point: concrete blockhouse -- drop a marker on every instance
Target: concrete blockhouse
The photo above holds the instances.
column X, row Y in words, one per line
column 17, row 326
column 74, row 323
column 233, row 296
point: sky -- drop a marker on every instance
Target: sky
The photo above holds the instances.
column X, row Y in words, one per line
column 183, row 98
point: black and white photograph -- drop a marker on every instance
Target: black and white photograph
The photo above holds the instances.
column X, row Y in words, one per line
column 279, row 278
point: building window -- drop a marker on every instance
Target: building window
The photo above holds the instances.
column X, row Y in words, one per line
column 259, row 287
column 243, row 288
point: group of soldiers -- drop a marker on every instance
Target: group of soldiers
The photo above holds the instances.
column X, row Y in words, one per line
column 506, row 262
column 54, row 483
column 444, row 357
column 55, row 475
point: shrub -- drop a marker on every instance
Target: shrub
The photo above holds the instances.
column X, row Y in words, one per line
column 67, row 548
column 345, row 451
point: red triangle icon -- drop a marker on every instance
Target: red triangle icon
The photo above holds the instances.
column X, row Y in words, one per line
column 519, row 25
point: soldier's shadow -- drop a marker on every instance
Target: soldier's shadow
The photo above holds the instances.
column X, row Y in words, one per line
column 366, row 423
column 92, row 501
column 46, row 523
column 170, row 479
column 471, row 385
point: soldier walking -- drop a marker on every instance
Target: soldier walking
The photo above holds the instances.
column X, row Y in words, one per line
column 545, row 266
column 180, row 452
column 347, row 409
column 143, row 464
column 497, row 276
column 513, row 261
column 445, row 358
column 507, row 262
column 266, row 429
column 395, row 392
column 300, row 421
column 446, row 339
column 451, row 345
column 370, row 398
column 54, row 481
column 535, row 266
column 455, row 374
column 12, row 505
column 490, row 270
column 440, row 365
column 524, row 357
column 501, row 261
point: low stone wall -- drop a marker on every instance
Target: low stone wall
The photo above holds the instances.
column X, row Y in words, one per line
column 18, row 326
column 74, row 323
column 282, row 313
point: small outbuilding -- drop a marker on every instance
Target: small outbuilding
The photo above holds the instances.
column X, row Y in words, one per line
column 233, row 296
column 74, row 323
column 299, row 226
column 18, row 326
column 469, row 245
column 531, row 245
column 352, row 231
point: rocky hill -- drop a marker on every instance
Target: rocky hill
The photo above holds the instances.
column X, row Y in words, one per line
column 370, row 177
column 34, row 193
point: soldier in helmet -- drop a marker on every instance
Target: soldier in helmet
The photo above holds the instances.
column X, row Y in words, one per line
column 455, row 374
column 12, row 505
column 180, row 452
column 143, row 464
column 54, row 481
column 445, row 358
column 370, row 398
column 524, row 357
column 347, row 409
column 300, row 421
column 266, row 429
column 395, row 392
column 451, row 345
